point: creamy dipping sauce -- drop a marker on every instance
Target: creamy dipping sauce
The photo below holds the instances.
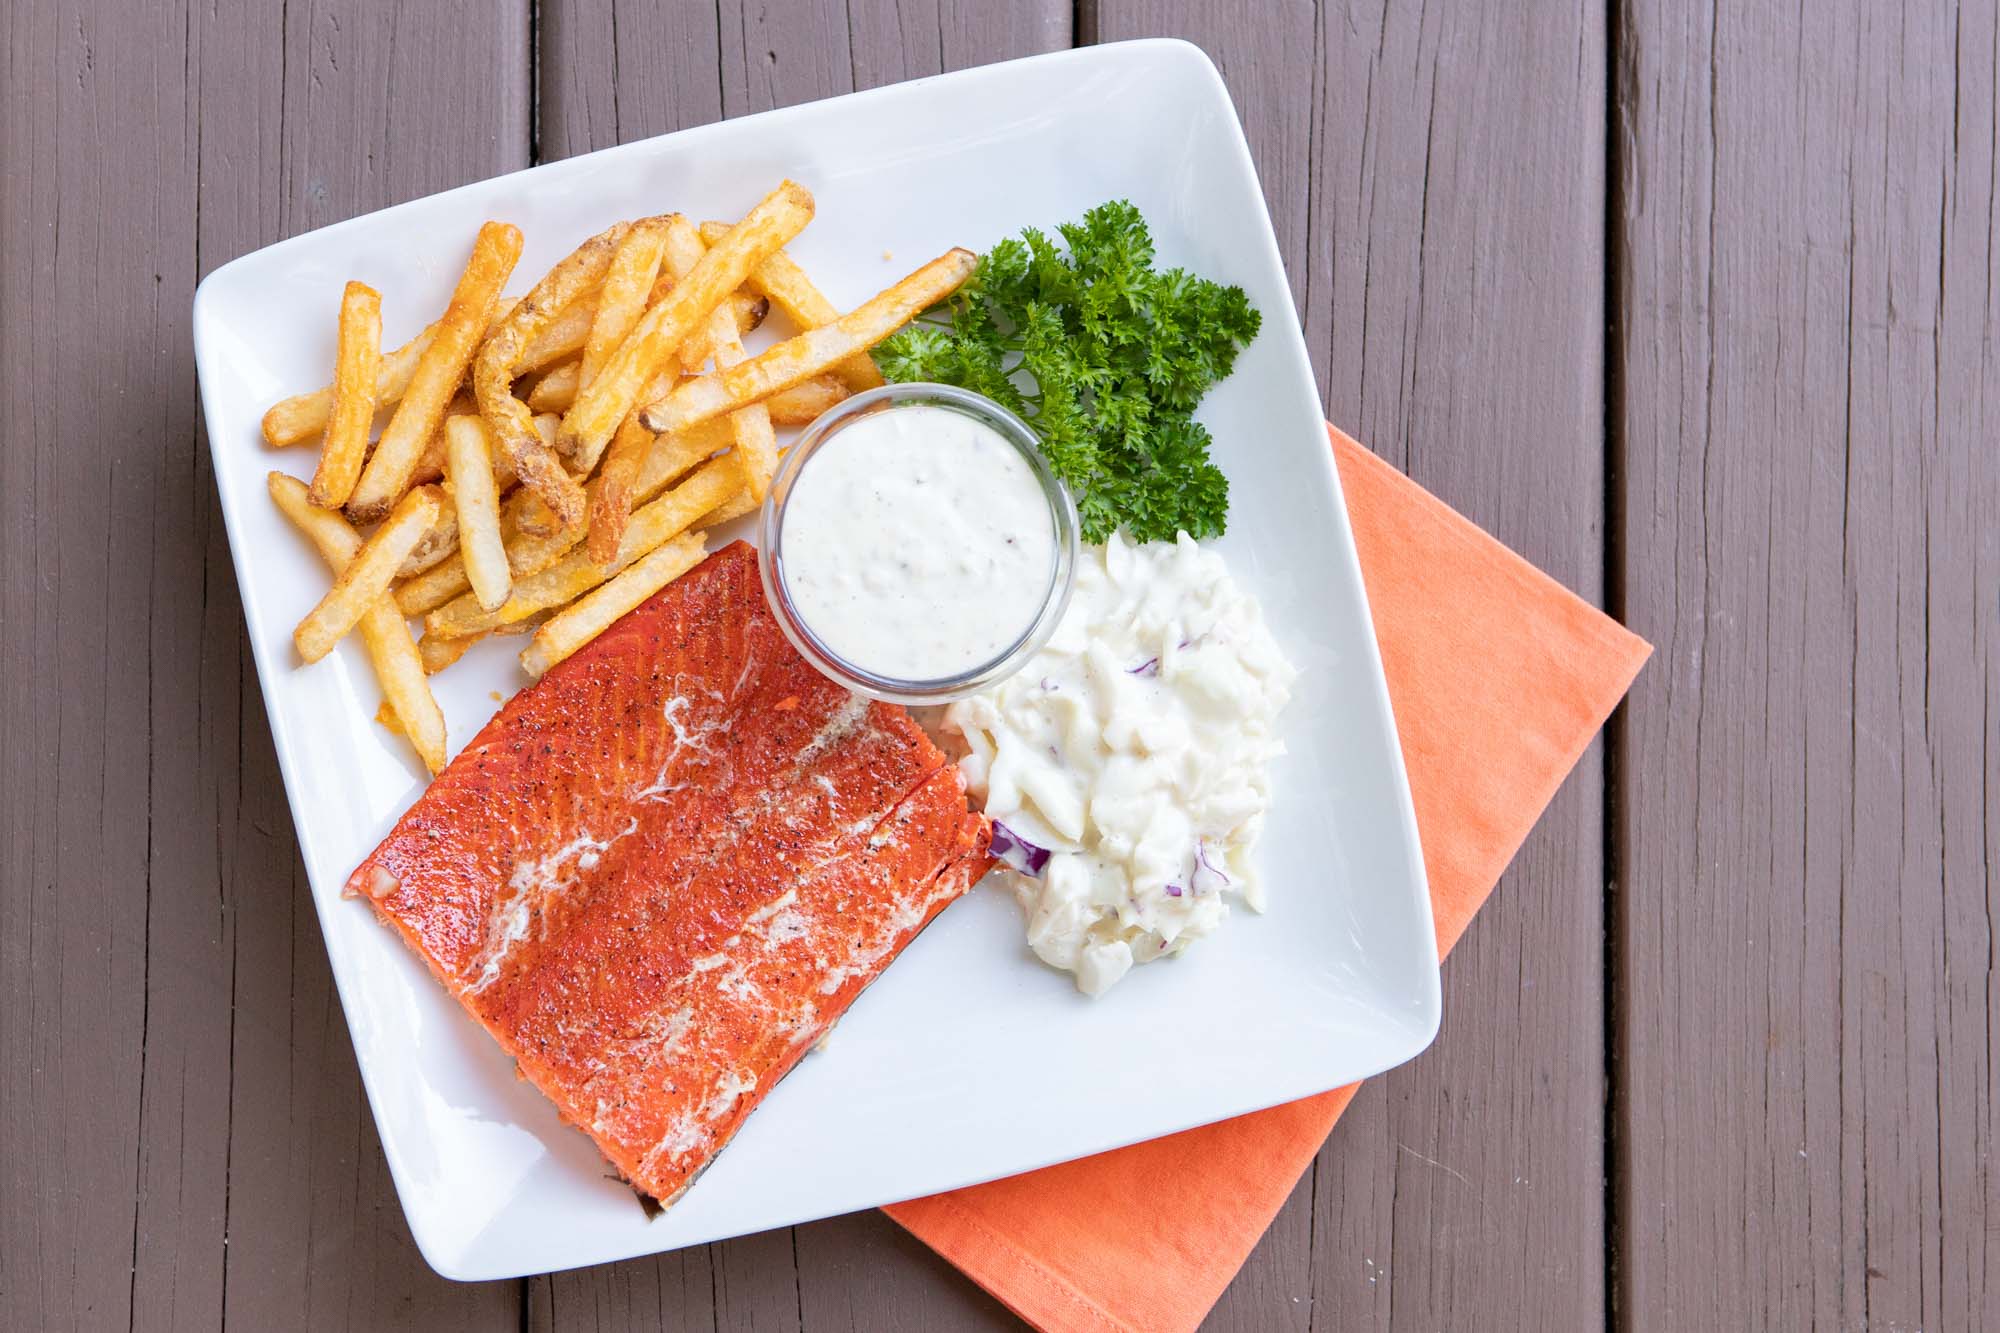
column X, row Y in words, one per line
column 918, row 543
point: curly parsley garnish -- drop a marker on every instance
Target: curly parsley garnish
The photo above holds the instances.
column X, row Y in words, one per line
column 1117, row 355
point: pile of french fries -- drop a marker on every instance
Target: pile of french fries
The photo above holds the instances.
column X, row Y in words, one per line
column 549, row 462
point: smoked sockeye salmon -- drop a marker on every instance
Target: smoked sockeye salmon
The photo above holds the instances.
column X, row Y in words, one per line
column 658, row 876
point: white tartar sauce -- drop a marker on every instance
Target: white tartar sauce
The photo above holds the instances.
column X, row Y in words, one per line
column 918, row 543
column 1134, row 748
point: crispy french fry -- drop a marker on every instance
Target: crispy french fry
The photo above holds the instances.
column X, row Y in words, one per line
column 802, row 404
column 532, row 515
column 438, row 653
column 398, row 666
column 799, row 405
column 756, row 448
column 555, row 391
column 748, row 310
column 756, row 451
column 531, row 549
column 430, row 463
column 611, row 489
column 437, row 375
column 781, row 279
column 532, row 518
column 674, row 456
column 476, row 500
column 441, row 542
column 553, row 321
column 576, row 573
column 668, row 459
column 563, row 338
column 439, row 545
column 493, row 373
column 368, row 576
column 638, row 467
column 527, row 553
column 589, row 616
column 432, row 588
column 300, row 418
column 356, row 366
column 809, row 353
column 598, row 410
column 627, row 291
column 735, row 507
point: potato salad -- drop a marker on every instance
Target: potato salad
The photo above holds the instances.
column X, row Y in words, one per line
column 1126, row 766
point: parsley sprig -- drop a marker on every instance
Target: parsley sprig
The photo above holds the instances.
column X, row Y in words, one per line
column 1105, row 357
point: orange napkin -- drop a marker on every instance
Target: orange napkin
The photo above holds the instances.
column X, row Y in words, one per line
column 1500, row 677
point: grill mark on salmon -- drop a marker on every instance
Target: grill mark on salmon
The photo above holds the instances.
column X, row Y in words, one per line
column 660, row 875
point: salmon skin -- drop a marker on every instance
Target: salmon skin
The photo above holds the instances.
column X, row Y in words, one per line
column 659, row 875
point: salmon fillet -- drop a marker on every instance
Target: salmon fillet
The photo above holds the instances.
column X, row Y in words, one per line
column 659, row 875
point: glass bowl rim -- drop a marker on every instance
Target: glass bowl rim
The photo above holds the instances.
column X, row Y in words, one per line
column 893, row 689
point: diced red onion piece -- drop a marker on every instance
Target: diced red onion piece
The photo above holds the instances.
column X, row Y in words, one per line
column 1208, row 877
column 1010, row 849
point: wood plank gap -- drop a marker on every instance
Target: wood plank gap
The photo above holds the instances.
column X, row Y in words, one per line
column 1618, row 80
column 534, row 8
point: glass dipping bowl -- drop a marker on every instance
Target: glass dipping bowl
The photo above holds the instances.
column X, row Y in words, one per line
column 771, row 545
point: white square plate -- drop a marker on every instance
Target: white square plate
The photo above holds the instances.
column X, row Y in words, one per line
column 968, row 1060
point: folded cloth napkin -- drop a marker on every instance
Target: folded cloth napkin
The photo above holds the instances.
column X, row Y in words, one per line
column 1499, row 677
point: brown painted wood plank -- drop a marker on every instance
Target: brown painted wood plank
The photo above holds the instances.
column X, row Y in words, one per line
column 1806, row 815
column 1435, row 176
column 183, row 1135
column 864, row 1273
column 612, row 72
column 327, row 114
column 90, row 105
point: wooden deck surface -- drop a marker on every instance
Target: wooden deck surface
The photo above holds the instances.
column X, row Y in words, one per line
column 1693, row 305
